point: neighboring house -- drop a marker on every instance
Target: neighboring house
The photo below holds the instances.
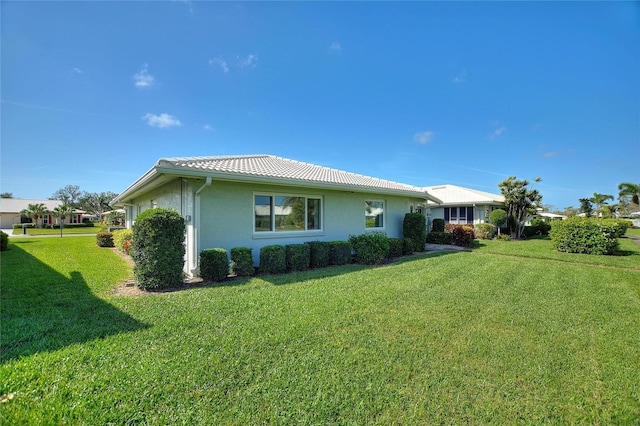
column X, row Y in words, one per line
column 463, row 205
column 258, row 200
column 10, row 209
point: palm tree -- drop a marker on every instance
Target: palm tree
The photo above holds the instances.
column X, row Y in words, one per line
column 34, row 212
column 61, row 213
column 600, row 200
column 630, row 189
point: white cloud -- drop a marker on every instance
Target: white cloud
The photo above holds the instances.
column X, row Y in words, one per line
column 163, row 120
column 461, row 77
column 499, row 129
column 423, row 137
column 220, row 63
column 143, row 78
column 335, row 47
column 250, row 61
column 209, row 128
column 77, row 70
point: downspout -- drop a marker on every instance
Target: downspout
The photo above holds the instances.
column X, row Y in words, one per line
column 196, row 231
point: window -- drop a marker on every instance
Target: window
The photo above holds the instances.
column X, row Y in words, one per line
column 458, row 215
column 374, row 214
column 280, row 213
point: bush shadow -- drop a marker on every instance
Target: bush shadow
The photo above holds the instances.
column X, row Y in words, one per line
column 44, row 310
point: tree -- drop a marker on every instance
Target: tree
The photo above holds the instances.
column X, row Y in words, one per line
column 520, row 200
column 61, row 212
column 498, row 217
column 6, row 195
column 586, row 206
column 630, row 190
column 600, row 200
column 69, row 195
column 96, row 203
column 34, row 212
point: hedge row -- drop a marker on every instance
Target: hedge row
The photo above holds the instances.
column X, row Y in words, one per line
column 587, row 235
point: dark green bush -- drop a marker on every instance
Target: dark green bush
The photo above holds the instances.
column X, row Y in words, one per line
column 104, row 239
column 370, row 248
column 158, row 248
column 483, row 231
column 396, row 247
column 407, row 246
column 297, row 256
column 584, row 235
column 242, row 261
column 339, row 253
column 273, row 260
column 414, row 226
column 437, row 225
column 4, row 241
column 319, row 254
column 440, row 238
column 214, row 264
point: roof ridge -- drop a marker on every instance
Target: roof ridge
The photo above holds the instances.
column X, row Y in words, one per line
column 214, row 157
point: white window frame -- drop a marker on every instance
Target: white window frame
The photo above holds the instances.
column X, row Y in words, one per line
column 384, row 215
column 297, row 233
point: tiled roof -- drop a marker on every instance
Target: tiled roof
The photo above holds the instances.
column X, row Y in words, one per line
column 452, row 194
column 276, row 169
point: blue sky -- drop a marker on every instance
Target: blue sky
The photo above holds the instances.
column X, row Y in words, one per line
column 94, row 93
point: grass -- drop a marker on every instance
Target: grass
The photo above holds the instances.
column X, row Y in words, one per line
column 65, row 231
column 471, row 337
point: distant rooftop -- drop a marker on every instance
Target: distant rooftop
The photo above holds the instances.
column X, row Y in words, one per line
column 453, row 194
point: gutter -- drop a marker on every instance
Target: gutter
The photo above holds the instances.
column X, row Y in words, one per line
column 196, row 231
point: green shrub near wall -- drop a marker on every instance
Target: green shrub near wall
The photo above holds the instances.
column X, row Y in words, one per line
column 158, row 248
column 396, row 247
column 318, row 254
column 214, row 264
column 4, row 241
column 297, row 256
column 407, row 246
column 585, row 235
column 463, row 234
column 437, row 225
column 440, row 238
column 273, row 259
column 123, row 240
column 484, row 231
column 104, row 239
column 414, row 226
column 242, row 261
column 370, row 248
column 339, row 253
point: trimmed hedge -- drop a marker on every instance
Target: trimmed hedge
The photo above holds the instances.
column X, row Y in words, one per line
column 414, row 226
column 440, row 238
column 407, row 246
column 339, row 253
column 585, row 235
column 242, row 261
column 437, row 225
column 396, row 247
column 463, row 234
column 104, row 239
column 4, row 241
column 318, row 254
column 123, row 240
column 158, row 248
column 484, row 231
column 214, row 264
column 273, row 260
column 297, row 256
column 370, row 248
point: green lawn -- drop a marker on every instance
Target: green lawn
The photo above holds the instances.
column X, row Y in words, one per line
column 506, row 334
column 71, row 230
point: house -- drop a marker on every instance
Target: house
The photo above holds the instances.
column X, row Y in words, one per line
column 10, row 209
column 258, row 200
column 462, row 205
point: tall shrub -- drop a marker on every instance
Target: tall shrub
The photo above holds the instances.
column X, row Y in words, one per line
column 158, row 248
column 437, row 225
column 4, row 241
column 414, row 226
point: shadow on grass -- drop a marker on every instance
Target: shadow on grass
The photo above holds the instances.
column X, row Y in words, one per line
column 43, row 310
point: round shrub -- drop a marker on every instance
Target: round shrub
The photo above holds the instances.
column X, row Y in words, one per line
column 483, row 231
column 273, row 260
column 437, row 225
column 370, row 248
column 214, row 264
column 104, row 239
column 414, row 226
column 242, row 261
column 158, row 248
column 4, row 241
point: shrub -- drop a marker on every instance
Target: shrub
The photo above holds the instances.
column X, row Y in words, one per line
column 242, row 261
column 370, row 248
column 584, row 235
column 407, row 246
column 4, row 241
column 498, row 217
column 440, row 238
column 214, row 264
column 122, row 240
column 540, row 227
column 504, row 237
column 437, row 225
column 158, row 248
column 621, row 226
column 104, row 239
column 463, row 234
column 396, row 247
column 297, row 256
column 273, row 259
column 339, row 253
column 318, row 254
column 414, row 226
column 484, row 231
